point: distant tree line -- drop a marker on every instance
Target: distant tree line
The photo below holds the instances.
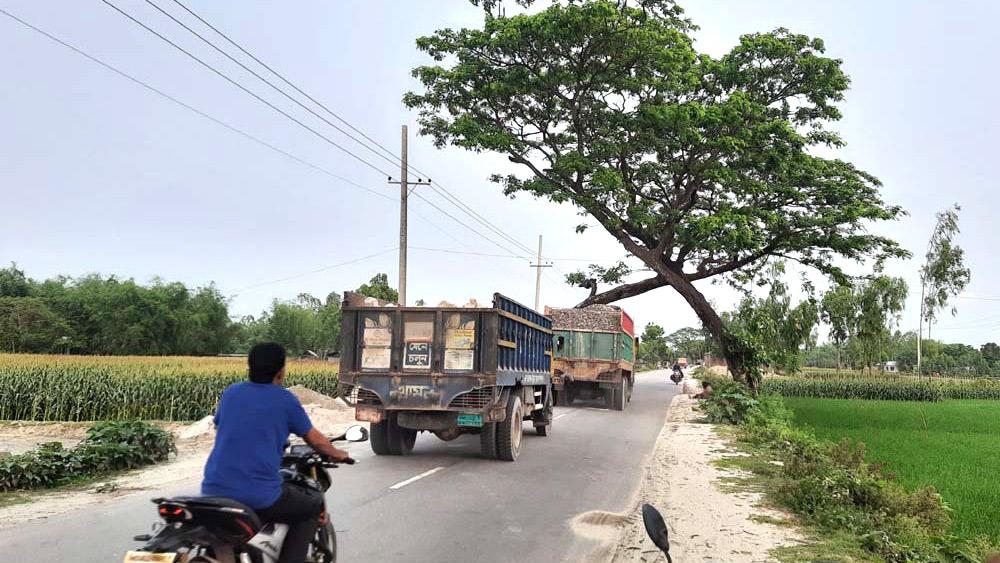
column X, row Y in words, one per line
column 96, row 314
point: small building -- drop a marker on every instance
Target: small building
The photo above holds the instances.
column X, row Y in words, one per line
column 892, row 367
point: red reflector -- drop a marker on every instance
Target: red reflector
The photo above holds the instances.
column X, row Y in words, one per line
column 163, row 510
column 178, row 511
column 245, row 527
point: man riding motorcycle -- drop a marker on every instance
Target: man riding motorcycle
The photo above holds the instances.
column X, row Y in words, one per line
column 253, row 421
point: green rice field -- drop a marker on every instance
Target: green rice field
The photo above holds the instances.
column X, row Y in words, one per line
column 953, row 445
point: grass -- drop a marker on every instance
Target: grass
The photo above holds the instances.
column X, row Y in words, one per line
column 952, row 445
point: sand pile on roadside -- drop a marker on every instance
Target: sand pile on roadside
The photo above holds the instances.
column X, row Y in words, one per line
column 309, row 397
column 705, row 523
column 202, row 428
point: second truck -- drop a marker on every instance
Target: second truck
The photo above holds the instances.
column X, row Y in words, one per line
column 594, row 355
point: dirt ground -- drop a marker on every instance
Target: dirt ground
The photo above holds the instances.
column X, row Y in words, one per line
column 194, row 442
column 705, row 522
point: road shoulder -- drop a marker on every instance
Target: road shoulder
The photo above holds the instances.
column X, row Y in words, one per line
column 707, row 521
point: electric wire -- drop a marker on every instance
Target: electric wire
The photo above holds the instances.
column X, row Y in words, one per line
column 262, row 79
column 436, row 186
column 244, row 88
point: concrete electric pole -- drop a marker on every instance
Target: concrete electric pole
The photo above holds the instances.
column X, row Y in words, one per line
column 404, row 192
column 538, row 274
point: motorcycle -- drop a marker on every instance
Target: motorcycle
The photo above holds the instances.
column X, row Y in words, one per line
column 221, row 530
column 677, row 376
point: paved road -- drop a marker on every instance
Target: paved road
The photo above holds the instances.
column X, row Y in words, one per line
column 467, row 509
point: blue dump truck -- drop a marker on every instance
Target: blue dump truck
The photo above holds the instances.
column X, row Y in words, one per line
column 447, row 370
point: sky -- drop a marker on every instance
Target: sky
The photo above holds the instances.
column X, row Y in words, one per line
column 98, row 174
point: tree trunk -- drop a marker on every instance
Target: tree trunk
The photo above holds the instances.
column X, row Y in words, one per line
column 713, row 324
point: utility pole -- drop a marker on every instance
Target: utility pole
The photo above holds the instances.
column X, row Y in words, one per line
column 538, row 273
column 404, row 192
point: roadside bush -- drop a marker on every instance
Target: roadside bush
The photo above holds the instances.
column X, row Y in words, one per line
column 729, row 402
column 832, row 486
column 109, row 446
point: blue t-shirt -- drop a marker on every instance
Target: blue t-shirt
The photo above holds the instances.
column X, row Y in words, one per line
column 253, row 422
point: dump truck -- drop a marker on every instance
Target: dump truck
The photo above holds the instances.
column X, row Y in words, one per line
column 449, row 371
column 595, row 350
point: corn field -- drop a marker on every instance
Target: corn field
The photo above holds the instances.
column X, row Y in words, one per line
column 885, row 389
column 83, row 388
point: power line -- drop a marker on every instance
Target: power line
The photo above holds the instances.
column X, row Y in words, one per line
column 261, row 78
column 453, row 218
column 191, row 108
column 438, row 188
column 978, row 298
column 301, row 124
column 244, row 88
column 311, row 272
column 488, row 255
column 286, row 81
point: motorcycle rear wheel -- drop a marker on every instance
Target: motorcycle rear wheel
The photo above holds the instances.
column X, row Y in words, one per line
column 323, row 548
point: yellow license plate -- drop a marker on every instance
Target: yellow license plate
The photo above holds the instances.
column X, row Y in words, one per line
column 147, row 557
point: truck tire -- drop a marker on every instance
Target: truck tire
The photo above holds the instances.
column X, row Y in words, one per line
column 511, row 429
column 488, row 440
column 400, row 439
column 546, row 418
column 379, row 437
column 618, row 395
column 562, row 397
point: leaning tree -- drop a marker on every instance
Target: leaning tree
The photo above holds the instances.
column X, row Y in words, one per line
column 701, row 167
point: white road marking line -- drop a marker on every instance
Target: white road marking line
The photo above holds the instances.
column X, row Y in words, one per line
column 558, row 416
column 402, row 484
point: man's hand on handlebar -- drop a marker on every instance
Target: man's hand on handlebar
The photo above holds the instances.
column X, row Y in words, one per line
column 322, row 444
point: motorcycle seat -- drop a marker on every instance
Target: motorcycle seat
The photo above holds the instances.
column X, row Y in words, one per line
column 217, row 511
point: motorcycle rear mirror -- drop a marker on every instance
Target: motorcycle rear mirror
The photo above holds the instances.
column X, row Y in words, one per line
column 656, row 528
column 356, row 433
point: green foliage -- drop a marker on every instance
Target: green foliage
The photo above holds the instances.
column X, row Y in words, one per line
column 379, row 288
column 854, row 389
column 97, row 315
column 688, row 342
column 944, row 273
column 109, row 446
column 303, row 325
column 777, row 329
column 991, row 353
column 13, row 282
column 44, row 389
column 833, row 486
column 897, row 388
column 653, row 348
column 701, row 167
column 951, row 445
column 729, row 403
column 27, row 324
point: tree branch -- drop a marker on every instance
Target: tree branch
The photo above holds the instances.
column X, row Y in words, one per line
column 624, row 291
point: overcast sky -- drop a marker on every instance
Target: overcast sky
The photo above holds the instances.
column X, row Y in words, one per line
column 101, row 175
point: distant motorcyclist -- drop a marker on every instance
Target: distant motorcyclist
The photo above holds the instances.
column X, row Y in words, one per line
column 254, row 419
column 677, row 375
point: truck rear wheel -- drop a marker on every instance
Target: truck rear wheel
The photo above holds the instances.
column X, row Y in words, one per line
column 562, row 397
column 488, row 440
column 618, row 395
column 400, row 440
column 543, row 423
column 510, row 430
column 379, row 437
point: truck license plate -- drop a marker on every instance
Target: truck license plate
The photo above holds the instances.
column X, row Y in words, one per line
column 470, row 420
column 147, row 557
